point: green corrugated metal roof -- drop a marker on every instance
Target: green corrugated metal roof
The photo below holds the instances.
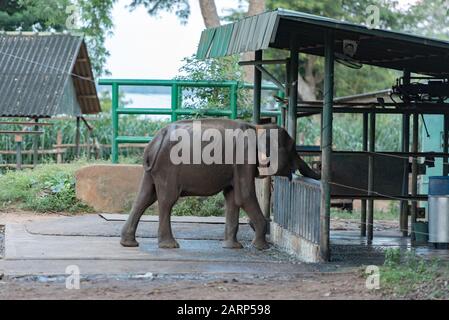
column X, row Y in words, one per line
column 275, row 29
column 249, row 34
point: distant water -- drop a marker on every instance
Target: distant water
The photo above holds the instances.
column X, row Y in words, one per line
column 154, row 100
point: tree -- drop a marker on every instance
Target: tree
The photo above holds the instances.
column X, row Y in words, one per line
column 154, row 7
column 209, row 13
column 60, row 15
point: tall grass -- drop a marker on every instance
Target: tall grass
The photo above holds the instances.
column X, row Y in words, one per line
column 102, row 134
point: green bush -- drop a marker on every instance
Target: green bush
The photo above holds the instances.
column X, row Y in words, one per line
column 200, row 206
column 47, row 188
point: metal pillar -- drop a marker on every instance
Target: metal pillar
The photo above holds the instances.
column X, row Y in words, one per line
column 257, row 91
column 371, row 148
column 446, row 144
column 326, row 146
column 403, row 221
column 414, row 185
column 293, row 89
column 115, row 105
column 363, row 205
column 257, row 94
column 35, row 144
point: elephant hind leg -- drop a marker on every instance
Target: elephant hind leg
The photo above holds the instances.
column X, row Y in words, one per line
column 145, row 198
column 165, row 234
column 232, row 221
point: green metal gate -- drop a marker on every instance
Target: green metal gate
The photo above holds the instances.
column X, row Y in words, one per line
column 176, row 109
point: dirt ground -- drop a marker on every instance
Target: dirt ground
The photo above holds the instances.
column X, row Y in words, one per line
column 312, row 286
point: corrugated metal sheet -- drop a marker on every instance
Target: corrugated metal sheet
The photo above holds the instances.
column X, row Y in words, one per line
column 249, row 34
column 296, row 206
column 36, row 72
column 276, row 29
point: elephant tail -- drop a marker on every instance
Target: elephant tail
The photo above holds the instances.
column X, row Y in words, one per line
column 152, row 150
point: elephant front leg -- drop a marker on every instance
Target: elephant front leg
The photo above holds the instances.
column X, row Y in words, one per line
column 145, row 198
column 232, row 222
column 252, row 208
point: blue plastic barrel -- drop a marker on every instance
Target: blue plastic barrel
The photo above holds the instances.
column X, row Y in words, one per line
column 439, row 186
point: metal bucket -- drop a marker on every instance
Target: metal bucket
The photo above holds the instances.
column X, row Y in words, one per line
column 438, row 210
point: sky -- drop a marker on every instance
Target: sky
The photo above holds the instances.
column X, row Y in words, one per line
column 145, row 47
column 148, row 47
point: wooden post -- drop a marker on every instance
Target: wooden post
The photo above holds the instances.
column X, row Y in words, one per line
column 88, row 134
column 35, row 144
column 77, row 137
column 363, row 205
column 18, row 139
column 58, row 149
column 326, row 145
column 371, row 148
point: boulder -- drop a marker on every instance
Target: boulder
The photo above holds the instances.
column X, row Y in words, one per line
column 108, row 188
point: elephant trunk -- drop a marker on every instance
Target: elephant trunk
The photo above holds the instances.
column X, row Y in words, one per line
column 305, row 170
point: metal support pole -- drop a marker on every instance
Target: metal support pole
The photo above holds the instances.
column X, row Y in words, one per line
column 174, row 102
column 257, row 91
column 234, row 98
column 363, row 205
column 371, row 148
column 403, row 221
column 293, row 91
column 35, row 144
column 115, row 102
column 445, row 144
column 77, row 137
column 414, row 186
column 326, row 146
column 257, row 96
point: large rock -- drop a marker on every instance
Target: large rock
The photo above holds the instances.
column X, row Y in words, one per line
column 108, row 188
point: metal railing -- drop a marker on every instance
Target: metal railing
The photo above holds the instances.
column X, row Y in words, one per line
column 296, row 206
column 176, row 108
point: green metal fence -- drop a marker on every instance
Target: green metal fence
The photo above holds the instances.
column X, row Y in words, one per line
column 176, row 106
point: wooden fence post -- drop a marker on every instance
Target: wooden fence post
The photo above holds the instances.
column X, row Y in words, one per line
column 58, row 149
column 18, row 140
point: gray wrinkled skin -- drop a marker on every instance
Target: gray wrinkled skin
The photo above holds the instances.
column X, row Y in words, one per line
column 165, row 182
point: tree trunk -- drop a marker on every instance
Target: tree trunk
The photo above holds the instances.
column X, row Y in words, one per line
column 255, row 7
column 209, row 13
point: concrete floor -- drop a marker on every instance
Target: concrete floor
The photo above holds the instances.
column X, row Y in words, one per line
column 91, row 242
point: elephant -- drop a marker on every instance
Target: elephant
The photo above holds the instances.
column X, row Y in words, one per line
column 166, row 180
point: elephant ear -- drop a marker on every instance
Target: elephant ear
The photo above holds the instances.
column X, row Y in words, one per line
column 152, row 150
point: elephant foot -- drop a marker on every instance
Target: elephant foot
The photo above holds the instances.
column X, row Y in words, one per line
column 129, row 242
column 232, row 244
column 168, row 244
column 260, row 244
